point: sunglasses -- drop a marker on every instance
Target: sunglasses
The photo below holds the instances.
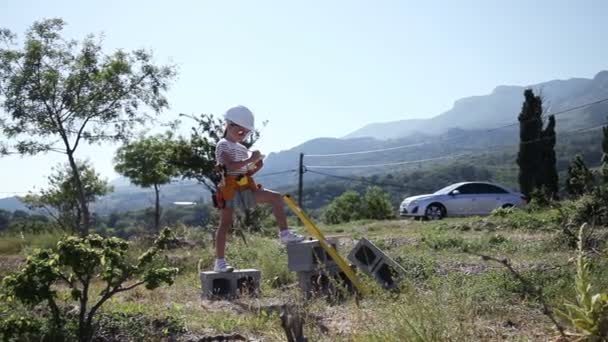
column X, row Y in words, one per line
column 242, row 130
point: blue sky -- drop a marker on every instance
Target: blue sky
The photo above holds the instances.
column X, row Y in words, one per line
column 326, row 68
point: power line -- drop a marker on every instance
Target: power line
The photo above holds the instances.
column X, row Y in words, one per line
column 364, row 152
column 362, row 180
column 487, row 149
column 378, row 165
column 276, row 173
column 452, row 138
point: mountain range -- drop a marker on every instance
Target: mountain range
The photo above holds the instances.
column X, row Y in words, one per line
column 476, row 123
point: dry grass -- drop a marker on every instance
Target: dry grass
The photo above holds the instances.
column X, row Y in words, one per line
column 448, row 293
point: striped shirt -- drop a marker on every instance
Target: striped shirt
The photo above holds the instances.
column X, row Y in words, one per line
column 228, row 151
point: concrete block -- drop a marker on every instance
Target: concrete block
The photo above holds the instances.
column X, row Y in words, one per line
column 331, row 282
column 216, row 285
column 365, row 255
column 374, row 262
column 388, row 273
column 247, row 282
column 308, row 255
column 230, row 285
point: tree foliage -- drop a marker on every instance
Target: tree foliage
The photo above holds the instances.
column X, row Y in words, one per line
column 536, row 157
column 148, row 162
column 60, row 199
column 59, row 93
column 350, row 206
column 377, row 204
column 549, row 180
column 580, row 179
column 77, row 263
column 605, row 155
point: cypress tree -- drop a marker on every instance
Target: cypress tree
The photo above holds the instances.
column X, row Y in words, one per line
column 529, row 156
column 605, row 156
column 548, row 176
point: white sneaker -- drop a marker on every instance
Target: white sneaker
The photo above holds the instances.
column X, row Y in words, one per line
column 222, row 267
column 290, row 237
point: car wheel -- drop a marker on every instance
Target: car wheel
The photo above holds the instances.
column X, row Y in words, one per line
column 507, row 206
column 434, row 211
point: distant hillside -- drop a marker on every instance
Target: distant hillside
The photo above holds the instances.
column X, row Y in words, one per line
column 129, row 197
column 11, row 204
column 501, row 107
column 464, row 127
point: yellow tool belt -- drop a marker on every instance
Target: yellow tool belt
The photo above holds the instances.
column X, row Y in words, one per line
column 231, row 184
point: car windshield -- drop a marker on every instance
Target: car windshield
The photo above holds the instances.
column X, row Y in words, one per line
column 445, row 190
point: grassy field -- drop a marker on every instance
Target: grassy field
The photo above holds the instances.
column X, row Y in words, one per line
column 449, row 292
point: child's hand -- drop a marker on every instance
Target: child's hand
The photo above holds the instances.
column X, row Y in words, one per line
column 255, row 155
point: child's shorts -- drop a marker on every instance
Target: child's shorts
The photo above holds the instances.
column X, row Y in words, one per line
column 242, row 200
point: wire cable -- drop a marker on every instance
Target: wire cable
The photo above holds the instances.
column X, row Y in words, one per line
column 452, row 138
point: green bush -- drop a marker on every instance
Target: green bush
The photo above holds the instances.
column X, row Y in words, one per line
column 589, row 314
column 77, row 263
column 351, row 206
column 592, row 208
column 347, row 207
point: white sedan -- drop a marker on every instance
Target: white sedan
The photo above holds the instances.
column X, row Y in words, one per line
column 461, row 199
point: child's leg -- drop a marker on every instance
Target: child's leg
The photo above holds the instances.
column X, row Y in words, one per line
column 220, row 235
column 276, row 200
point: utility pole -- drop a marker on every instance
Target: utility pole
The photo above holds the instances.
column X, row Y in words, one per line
column 301, row 178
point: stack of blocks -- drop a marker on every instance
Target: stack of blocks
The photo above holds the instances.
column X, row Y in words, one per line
column 372, row 261
column 317, row 272
column 230, row 285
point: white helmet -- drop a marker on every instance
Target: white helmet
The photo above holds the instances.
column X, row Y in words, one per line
column 241, row 116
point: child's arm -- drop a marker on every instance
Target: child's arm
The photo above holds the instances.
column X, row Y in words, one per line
column 258, row 166
column 232, row 165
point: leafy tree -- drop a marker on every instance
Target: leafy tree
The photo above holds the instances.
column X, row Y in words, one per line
column 60, row 199
column 378, row 204
column 580, row 178
column 59, row 93
column 148, row 162
column 79, row 262
column 347, row 207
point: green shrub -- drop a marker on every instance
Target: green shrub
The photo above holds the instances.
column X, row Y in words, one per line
column 377, row 204
column 347, row 207
column 592, row 208
column 77, row 263
column 589, row 314
column 351, row 206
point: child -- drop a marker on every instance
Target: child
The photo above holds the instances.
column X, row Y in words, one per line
column 238, row 189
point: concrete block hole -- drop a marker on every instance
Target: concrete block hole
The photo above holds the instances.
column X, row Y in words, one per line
column 365, row 256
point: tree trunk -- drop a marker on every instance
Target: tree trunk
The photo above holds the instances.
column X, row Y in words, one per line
column 82, row 202
column 157, row 209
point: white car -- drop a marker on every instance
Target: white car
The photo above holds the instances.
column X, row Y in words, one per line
column 461, row 199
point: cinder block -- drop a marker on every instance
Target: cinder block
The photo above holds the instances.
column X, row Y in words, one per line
column 365, row 255
column 330, row 281
column 230, row 285
column 308, row 256
column 217, row 285
column 388, row 273
column 247, row 282
column 372, row 261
